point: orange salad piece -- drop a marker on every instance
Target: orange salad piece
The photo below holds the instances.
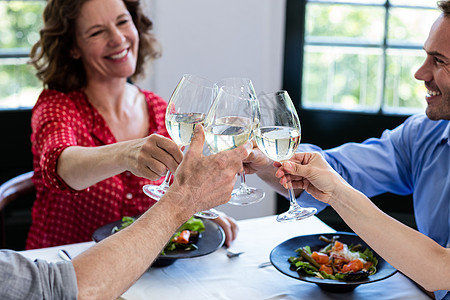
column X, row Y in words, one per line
column 321, row 258
column 326, row 269
column 338, row 246
column 353, row 266
column 183, row 238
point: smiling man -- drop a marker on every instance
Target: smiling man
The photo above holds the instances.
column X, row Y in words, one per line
column 435, row 71
column 414, row 158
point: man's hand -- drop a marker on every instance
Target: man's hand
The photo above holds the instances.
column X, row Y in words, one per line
column 256, row 161
column 202, row 182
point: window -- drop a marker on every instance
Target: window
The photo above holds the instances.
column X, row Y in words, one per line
column 358, row 55
column 20, row 22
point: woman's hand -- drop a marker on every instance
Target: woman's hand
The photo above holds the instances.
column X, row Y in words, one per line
column 152, row 156
column 149, row 157
column 229, row 226
column 309, row 171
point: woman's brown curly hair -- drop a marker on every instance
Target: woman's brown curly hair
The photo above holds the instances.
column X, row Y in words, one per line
column 51, row 55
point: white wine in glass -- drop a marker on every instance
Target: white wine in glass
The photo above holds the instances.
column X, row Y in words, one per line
column 181, row 126
column 278, row 137
column 279, row 142
column 228, row 133
column 230, row 122
column 244, row 194
column 187, row 107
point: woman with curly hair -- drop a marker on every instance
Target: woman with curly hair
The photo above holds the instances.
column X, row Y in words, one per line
column 96, row 138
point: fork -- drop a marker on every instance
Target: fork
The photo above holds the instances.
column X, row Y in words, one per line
column 264, row 264
column 231, row 253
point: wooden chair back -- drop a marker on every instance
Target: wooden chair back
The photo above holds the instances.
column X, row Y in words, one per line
column 17, row 192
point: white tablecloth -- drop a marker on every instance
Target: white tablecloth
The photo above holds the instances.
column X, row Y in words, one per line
column 215, row 276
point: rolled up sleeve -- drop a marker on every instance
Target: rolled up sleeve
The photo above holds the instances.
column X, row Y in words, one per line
column 21, row 278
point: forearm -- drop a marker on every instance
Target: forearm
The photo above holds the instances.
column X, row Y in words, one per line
column 400, row 245
column 81, row 167
column 109, row 268
column 201, row 182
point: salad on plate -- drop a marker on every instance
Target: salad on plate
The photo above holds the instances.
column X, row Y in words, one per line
column 336, row 261
column 186, row 237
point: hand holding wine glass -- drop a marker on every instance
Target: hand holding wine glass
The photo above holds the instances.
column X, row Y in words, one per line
column 188, row 105
column 230, row 121
column 278, row 138
column 244, row 194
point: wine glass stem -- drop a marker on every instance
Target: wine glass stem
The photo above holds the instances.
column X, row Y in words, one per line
column 165, row 183
column 243, row 179
column 292, row 199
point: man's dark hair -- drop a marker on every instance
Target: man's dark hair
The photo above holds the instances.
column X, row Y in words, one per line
column 444, row 6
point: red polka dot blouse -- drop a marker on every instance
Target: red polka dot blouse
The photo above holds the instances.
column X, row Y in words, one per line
column 60, row 214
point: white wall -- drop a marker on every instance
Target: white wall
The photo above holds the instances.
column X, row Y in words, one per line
column 218, row 39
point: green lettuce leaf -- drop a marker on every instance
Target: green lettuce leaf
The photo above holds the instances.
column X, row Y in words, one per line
column 192, row 224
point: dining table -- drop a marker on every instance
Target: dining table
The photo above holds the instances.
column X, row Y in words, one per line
column 245, row 276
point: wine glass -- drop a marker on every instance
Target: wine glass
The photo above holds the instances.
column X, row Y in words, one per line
column 245, row 194
column 278, row 138
column 187, row 107
column 230, row 120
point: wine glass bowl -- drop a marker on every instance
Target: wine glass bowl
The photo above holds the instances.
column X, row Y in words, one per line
column 278, row 137
column 187, row 107
column 227, row 133
column 244, row 194
column 181, row 126
column 278, row 142
column 229, row 124
column 229, row 121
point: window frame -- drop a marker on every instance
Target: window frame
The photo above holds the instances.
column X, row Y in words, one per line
column 295, row 43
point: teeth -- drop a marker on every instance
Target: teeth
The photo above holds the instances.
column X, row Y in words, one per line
column 434, row 93
column 120, row 55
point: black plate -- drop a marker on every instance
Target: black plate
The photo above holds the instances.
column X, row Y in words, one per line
column 280, row 254
column 211, row 239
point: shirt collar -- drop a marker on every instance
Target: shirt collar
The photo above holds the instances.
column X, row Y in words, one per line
column 446, row 134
